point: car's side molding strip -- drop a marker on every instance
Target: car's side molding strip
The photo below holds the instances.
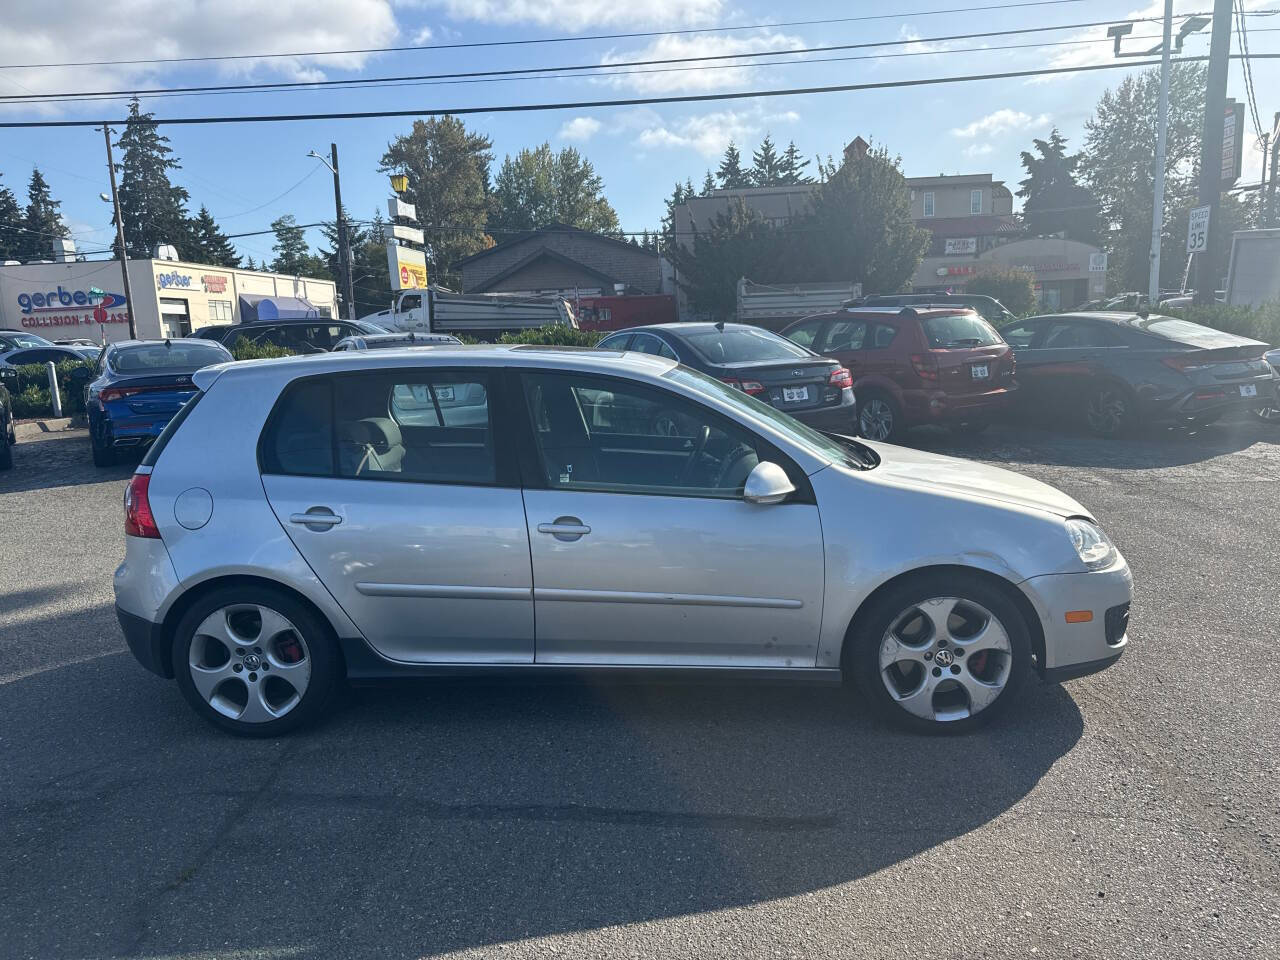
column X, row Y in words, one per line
column 444, row 591
column 682, row 599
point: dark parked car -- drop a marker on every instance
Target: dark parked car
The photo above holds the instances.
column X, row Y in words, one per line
column 17, row 339
column 300, row 336
column 140, row 385
column 7, row 435
column 1270, row 410
column 786, row 375
column 1114, row 370
column 383, row 341
column 43, row 354
column 914, row 366
column 991, row 309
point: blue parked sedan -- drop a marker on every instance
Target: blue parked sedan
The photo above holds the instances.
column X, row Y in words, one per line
column 141, row 384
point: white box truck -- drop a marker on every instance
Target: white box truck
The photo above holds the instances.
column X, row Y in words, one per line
column 484, row 316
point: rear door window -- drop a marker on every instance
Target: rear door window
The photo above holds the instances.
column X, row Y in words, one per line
column 806, row 334
column 881, row 336
column 1021, row 335
column 844, row 335
column 1070, row 335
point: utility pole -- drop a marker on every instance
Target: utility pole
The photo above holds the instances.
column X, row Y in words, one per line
column 1157, row 198
column 1271, row 214
column 1211, row 146
column 124, row 254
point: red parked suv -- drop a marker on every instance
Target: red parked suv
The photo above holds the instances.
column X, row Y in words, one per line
column 915, row 365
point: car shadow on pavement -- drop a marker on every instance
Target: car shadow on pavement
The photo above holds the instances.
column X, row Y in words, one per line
column 60, row 459
column 1027, row 442
column 447, row 815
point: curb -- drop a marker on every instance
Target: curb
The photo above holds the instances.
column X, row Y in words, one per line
column 32, row 428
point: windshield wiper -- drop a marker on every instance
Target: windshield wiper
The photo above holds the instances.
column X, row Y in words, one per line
column 964, row 341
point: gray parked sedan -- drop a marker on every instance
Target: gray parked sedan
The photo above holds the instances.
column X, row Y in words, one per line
column 463, row 509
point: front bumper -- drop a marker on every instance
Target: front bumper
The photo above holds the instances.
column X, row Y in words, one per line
column 1077, row 649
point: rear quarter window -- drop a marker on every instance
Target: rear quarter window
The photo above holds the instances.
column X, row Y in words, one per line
column 298, row 439
column 170, row 428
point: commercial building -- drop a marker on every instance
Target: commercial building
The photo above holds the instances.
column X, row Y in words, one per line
column 86, row 299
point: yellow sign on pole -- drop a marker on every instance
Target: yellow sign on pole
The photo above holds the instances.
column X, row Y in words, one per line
column 408, row 267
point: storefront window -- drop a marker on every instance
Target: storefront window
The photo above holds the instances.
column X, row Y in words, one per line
column 220, row 311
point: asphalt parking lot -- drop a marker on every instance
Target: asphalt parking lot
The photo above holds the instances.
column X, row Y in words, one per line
column 1130, row 814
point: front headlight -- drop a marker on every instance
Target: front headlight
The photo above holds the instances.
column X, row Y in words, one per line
column 1095, row 550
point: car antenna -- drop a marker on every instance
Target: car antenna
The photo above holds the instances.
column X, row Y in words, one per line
column 720, row 325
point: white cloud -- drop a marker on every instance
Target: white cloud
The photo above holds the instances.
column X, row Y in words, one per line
column 422, row 36
column 664, row 78
column 578, row 14
column 579, row 128
column 709, row 133
column 978, row 149
column 90, row 29
column 1002, row 121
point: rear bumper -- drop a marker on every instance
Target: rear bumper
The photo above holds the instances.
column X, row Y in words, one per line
column 842, row 419
column 1215, row 399
column 146, row 642
column 938, row 406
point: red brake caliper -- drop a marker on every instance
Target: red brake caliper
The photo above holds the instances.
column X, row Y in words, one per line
column 290, row 650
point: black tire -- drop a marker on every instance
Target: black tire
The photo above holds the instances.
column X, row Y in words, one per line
column 863, row 648
column 1110, row 410
column 1267, row 414
column 6, row 451
column 318, row 643
column 103, row 456
column 879, row 417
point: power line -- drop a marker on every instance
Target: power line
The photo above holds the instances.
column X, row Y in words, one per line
column 624, row 102
column 542, row 40
column 1243, row 35
column 571, row 68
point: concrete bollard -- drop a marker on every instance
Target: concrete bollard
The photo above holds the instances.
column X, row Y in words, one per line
column 53, row 388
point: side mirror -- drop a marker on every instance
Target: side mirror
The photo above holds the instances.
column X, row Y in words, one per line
column 767, row 483
column 8, row 373
column 81, row 374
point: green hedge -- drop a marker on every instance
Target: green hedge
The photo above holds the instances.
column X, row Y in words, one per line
column 31, row 390
column 242, row 349
column 555, row 335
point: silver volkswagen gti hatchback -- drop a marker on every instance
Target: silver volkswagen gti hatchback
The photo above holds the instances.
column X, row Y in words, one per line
column 454, row 509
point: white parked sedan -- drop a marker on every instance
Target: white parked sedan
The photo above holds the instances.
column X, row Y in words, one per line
column 494, row 509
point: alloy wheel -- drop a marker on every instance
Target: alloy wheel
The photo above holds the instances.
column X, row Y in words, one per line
column 249, row 663
column 876, row 419
column 945, row 659
column 1269, row 414
column 1107, row 412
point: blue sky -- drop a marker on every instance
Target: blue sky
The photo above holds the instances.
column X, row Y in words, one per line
column 248, row 175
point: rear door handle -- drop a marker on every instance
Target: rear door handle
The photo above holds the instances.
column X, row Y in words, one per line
column 316, row 518
column 565, row 528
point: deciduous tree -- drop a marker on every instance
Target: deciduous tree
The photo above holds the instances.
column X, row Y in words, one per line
column 538, row 187
column 293, row 255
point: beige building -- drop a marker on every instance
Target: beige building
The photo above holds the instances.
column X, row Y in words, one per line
column 172, row 298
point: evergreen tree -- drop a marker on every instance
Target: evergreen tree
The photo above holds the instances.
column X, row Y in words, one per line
column 211, row 245
column 293, row 256
column 708, row 184
column 766, row 169
column 668, row 225
column 41, row 222
column 730, row 174
column 1056, row 203
column 357, row 239
column 250, row 265
column 10, row 224
column 154, row 209
column 791, row 166
column 539, row 187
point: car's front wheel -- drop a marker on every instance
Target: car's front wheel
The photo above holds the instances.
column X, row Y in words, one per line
column 940, row 653
column 255, row 661
column 1268, row 414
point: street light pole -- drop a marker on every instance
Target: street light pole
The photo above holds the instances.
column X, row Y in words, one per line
column 124, row 254
column 1157, row 198
column 1211, row 146
column 344, row 242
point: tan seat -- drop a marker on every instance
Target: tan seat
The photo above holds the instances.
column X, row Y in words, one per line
column 372, row 445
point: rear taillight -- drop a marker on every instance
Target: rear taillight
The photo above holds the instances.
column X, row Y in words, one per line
column 116, row 393
column 138, row 519
column 1184, row 362
column 841, row 377
column 925, row 366
column 746, row 386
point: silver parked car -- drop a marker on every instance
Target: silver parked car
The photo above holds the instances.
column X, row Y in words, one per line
column 464, row 509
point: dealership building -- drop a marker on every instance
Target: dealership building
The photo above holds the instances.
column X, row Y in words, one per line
column 86, row 299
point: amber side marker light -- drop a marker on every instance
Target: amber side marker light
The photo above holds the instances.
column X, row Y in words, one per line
column 1079, row 616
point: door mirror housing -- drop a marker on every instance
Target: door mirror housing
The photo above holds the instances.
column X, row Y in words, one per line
column 81, row 374
column 767, row 483
column 8, row 373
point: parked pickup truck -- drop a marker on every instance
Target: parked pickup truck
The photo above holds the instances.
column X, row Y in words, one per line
column 480, row 315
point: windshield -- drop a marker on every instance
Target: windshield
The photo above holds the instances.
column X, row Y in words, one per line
column 368, row 327
column 1184, row 331
column 742, row 345
column 175, row 354
column 959, row 330
column 26, row 340
column 850, row 453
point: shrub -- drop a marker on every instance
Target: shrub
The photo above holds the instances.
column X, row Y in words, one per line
column 555, row 335
column 32, row 401
column 242, row 349
column 33, row 382
column 1013, row 287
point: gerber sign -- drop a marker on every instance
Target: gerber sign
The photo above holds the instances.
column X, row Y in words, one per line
column 69, row 308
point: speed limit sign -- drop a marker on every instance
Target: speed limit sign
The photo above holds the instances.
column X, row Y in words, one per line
column 1198, row 230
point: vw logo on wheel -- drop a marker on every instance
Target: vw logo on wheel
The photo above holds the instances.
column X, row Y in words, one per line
column 944, row 658
column 252, row 661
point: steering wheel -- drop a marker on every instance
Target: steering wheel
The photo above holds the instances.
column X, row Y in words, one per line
column 735, row 460
column 703, row 436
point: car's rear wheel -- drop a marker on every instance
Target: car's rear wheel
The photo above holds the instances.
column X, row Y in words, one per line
column 103, row 455
column 6, row 450
column 941, row 653
column 1109, row 410
column 255, row 661
column 879, row 417
column 1267, row 414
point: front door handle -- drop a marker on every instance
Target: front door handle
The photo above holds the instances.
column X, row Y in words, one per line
column 565, row 528
column 316, row 518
